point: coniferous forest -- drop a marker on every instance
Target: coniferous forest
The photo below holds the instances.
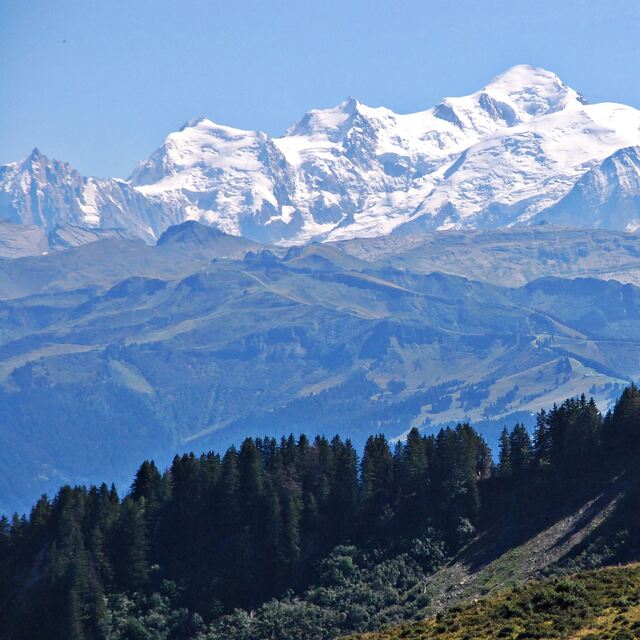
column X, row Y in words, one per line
column 303, row 538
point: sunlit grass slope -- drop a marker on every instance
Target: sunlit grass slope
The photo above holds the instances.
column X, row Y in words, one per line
column 595, row 605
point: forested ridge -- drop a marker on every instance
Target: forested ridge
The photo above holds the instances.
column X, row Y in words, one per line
column 301, row 538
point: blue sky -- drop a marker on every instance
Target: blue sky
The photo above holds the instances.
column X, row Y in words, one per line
column 101, row 83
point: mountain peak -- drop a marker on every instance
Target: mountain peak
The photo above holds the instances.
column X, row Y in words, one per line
column 334, row 121
column 534, row 90
column 206, row 127
column 199, row 143
column 189, row 232
column 522, row 75
column 36, row 156
column 349, row 105
column 193, row 122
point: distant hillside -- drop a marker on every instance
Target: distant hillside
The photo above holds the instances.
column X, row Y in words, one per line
column 206, row 338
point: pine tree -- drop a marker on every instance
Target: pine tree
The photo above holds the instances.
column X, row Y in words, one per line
column 377, row 484
column 252, row 510
column 541, row 441
column 132, row 546
column 622, row 426
column 343, row 491
column 504, row 460
column 520, row 451
column 289, row 550
column 250, row 482
column 147, row 482
column 412, row 480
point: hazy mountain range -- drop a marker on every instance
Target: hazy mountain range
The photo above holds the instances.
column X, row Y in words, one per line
column 524, row 148
column 477, row 261
column 116, row 350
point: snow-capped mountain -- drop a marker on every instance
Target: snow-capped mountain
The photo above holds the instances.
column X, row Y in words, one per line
column 236, row 180
column 606, row 196
column 510, row 153
column 46, row 193
column 51, row 194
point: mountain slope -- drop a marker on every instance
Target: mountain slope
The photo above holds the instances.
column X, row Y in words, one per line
column 595, row 604
column 108, row 258
column 19, row 240
column 182, row 346
column 607, row 195
column 509, row 257
column 514, row 173
column 51, row 194
column 497, row 157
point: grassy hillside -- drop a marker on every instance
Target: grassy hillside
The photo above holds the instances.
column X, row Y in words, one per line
column 595, row 605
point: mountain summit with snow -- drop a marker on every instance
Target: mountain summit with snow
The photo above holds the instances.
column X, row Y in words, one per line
column 524, row 148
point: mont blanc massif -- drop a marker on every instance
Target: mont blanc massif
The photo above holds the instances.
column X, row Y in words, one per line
column 366, row 272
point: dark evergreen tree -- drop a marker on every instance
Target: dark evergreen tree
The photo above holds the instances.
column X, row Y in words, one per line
column 520, row 452
column 541, row 441
column 622, row 425
column 377, row 485
column 504, row 459
column 147, row 482
column 412, row 480
column 342, row 501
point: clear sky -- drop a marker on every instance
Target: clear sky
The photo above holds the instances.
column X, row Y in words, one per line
column 100, row 83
